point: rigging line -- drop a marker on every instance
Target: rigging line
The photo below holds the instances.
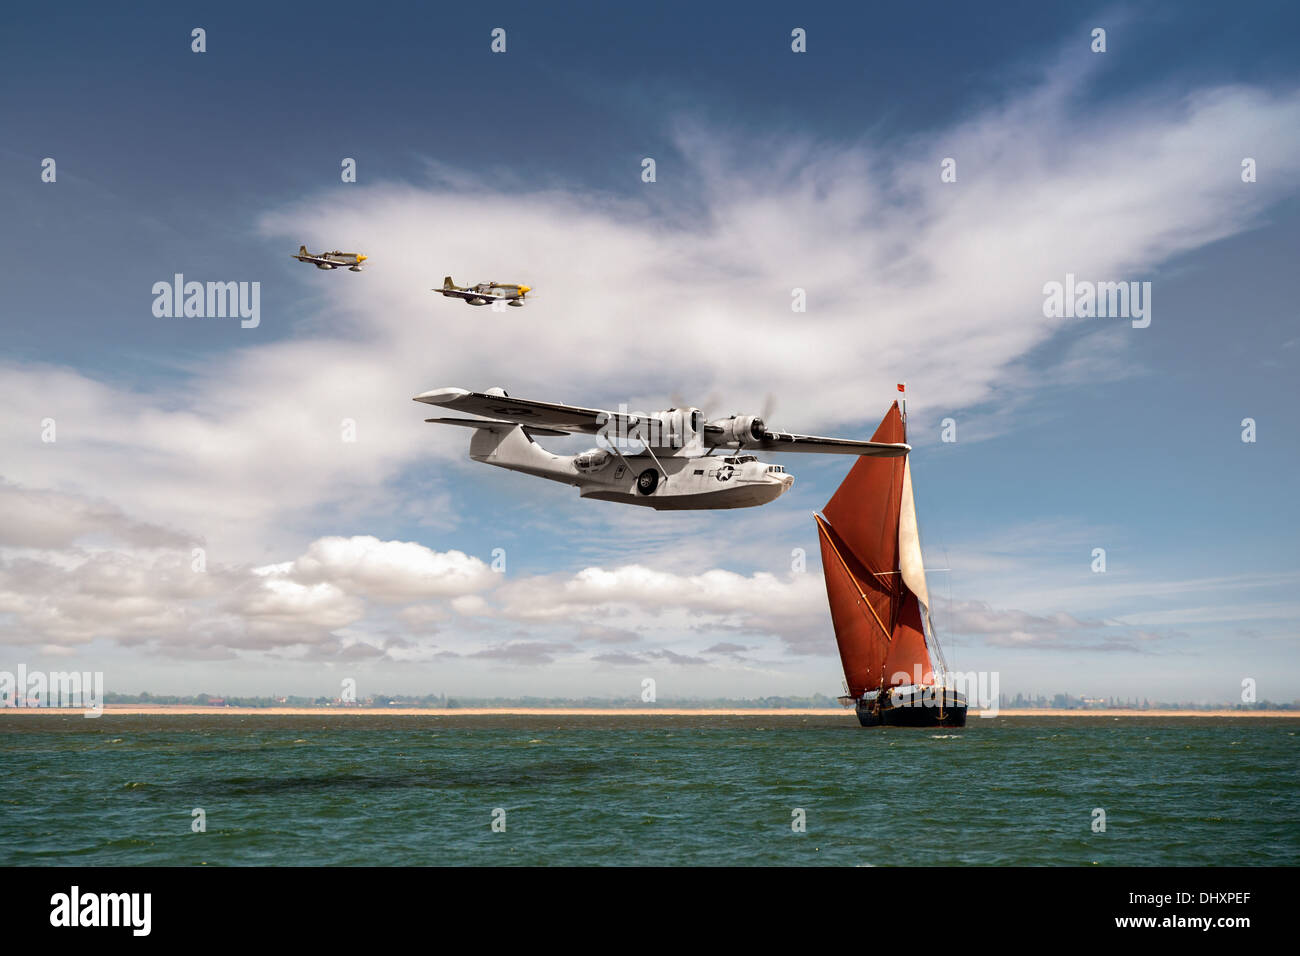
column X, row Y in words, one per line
column 947, row 561
column 888, row 636
column 938, row 648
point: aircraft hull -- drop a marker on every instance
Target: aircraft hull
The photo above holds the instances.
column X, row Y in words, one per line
column 738, row 497
column 680, row 484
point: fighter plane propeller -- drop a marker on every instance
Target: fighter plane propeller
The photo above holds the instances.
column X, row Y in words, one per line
column 673, row 467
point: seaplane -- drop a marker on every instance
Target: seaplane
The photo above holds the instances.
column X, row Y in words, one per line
column 331, row 260
column 486, row 293
column 673, row 460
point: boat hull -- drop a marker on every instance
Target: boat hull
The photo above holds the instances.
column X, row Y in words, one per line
column 946, row 708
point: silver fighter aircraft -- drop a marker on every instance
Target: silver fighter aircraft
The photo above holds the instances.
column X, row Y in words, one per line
column 485, row 293
column 332, row 260
column 664, row 460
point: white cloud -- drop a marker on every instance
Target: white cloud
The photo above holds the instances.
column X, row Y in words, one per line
column 40, row 518
column 667, row 607
column 389, row 570
column 714, row 591
column 280, row 601
column 63, row 598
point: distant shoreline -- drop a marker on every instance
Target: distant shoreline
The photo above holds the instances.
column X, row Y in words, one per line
column 189, row 710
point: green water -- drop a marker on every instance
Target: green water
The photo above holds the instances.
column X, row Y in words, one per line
column 646, row 790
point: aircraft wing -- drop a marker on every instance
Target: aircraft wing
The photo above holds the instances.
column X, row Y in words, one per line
column 813, row 444
column 326, row 260
column 467, row 294
column 523, row 411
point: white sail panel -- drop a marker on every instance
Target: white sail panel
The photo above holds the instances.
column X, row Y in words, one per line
column 909, row 543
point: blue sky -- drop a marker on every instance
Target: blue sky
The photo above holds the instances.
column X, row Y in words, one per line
column 775, row 170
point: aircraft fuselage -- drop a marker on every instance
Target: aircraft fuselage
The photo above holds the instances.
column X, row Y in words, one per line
column 665, row 482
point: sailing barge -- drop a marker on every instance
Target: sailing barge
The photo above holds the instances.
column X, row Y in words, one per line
column 880, row 606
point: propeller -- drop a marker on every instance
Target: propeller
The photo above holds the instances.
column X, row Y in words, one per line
column 677, row 400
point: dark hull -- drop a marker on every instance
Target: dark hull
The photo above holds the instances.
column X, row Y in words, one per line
column 917, row 711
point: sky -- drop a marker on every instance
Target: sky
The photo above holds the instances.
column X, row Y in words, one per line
column 199, row 522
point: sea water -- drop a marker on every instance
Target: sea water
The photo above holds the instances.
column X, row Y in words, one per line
column 660, row 790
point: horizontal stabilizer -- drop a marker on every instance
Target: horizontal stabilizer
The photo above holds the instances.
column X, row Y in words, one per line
column 492, row 423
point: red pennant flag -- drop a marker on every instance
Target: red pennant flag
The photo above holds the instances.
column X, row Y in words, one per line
column 902, row 387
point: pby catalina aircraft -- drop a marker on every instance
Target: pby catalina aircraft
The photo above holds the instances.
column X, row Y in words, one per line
column 332, row 260
column 486, row 292
column 675, row 467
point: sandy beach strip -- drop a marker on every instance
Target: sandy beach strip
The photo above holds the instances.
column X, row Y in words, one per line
column 180, row 710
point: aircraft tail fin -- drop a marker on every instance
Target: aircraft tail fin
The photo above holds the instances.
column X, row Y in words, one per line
column 447, row 283
column 302, row 250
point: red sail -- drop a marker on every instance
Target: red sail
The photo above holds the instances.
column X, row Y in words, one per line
column 864, row 509
column 877, row 618
column 908, row 661
column 860, row 611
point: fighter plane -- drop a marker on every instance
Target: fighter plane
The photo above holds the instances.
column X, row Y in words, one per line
column 332, row 260
column 664, row 460
column 486, row 292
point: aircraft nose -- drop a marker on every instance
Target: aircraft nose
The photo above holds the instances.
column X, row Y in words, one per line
column 361, row 258
column 525, row 288
column 779, row 485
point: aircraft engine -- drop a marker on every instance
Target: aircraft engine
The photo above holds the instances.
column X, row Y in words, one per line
column 741, row 428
